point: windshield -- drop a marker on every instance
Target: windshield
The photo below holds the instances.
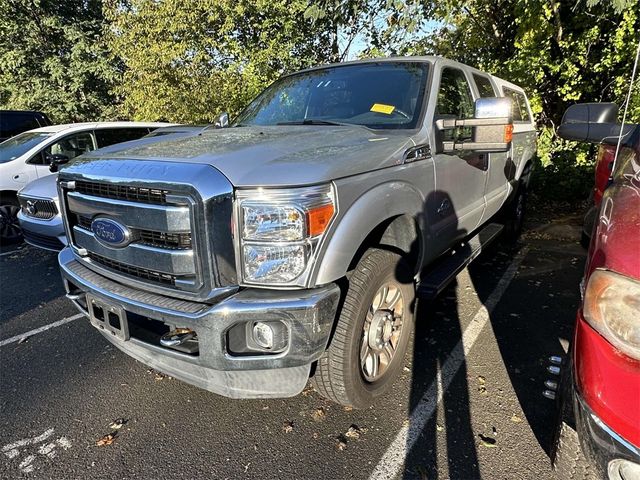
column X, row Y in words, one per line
column 15, row 146
column 375, row 95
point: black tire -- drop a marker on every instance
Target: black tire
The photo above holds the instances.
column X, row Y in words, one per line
column 10, row 231
column 513, row 214
column 585, row 240
column 339, row 375
column 567, row 457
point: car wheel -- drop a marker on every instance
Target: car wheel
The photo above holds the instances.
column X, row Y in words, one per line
column 567, row 457
column 10, row 231
column 513, row 215
column 372, row 333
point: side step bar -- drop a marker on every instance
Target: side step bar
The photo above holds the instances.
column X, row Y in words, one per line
column 436, row 279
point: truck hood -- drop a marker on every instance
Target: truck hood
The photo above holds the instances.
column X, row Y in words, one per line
column 277, row 155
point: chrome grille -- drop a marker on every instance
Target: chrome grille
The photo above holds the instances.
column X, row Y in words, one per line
column 143, row 273
column 153, row 238
column 38, row 208
column 123, row 192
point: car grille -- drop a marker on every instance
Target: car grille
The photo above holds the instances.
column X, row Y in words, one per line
column 122, row 192
column 141, row 273
column 38, row 208
column 153, row 238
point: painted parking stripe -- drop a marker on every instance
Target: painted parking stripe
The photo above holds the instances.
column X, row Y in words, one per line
column 36, row 331
column 393, row 460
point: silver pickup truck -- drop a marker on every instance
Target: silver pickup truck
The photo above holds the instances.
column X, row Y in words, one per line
column 295, row 241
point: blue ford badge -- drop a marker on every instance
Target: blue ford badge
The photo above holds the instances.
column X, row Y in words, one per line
column 110, row 232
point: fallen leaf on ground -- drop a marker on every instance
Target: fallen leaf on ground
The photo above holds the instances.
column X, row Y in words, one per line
column 515, row 418
column 287, row 427
column 342, row 442
column 107, row 439
column 319, row 414
column 117, row 424
column 487, row 441
column 348, row 409
column 23, row 339
column 353, row 432
column 439, row 427
column 482, row 385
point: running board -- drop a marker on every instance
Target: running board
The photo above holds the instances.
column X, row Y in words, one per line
column 436, row 279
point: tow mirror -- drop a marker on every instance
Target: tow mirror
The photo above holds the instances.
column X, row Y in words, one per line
column 591, row 123
column 55, row 161
column 222, row 121
column 492, row 127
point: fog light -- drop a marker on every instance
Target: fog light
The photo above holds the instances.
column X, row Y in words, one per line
column 263, row 335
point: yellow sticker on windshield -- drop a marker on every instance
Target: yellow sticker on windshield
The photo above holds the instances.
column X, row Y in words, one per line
column 382, row 108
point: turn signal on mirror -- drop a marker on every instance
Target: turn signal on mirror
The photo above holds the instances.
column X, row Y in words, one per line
column 508, row 133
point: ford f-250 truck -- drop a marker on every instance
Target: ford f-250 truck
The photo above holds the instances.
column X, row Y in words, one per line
column 292, row 243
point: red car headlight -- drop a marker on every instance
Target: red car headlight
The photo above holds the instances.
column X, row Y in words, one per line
column 612, row 307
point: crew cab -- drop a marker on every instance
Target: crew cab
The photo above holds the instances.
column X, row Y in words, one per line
column 598, row 430
column 293, row 242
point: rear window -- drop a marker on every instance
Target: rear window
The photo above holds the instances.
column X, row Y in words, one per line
column 519, row 105
column 111, row 136
column 484, row 86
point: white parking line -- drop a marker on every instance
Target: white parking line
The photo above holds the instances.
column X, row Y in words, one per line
column 15, row 250
column 393, row 460
column 33, row 332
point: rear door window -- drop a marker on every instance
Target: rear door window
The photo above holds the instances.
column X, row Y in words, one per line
column 485, row 88
column 111, row 136
column 519, row 105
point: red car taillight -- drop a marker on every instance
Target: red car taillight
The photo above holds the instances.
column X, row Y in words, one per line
column 604, row 163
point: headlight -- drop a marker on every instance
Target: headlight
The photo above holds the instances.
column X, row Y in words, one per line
column 279, row 231
column 612, row 307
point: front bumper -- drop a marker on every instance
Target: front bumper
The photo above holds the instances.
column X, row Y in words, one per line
column 307, row 314
column 601, row 444
column 47, row 234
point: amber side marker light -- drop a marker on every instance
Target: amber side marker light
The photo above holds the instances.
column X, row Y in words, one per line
column 318, row 219
column 508, row 133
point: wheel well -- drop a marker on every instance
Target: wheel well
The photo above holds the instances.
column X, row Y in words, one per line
column 399, row 234
column 8, row 195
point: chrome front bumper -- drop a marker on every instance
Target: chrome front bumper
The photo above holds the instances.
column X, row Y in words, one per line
column 600, row 443
column 307, row 314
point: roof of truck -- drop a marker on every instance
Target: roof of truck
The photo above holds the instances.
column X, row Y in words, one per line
column 92, row 125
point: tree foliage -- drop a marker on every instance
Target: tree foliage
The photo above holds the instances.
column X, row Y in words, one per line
column 52, row 58
column 188, row 61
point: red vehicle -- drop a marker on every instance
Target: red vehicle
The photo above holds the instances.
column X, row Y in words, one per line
column 600, row 392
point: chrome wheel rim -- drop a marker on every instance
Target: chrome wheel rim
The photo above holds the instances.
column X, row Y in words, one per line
column 9, row 225
column 382, row 332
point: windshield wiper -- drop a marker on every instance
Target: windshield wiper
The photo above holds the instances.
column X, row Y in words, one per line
column 310, row 121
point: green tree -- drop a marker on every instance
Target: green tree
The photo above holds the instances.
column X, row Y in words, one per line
column 186, row 61
column 52, row 58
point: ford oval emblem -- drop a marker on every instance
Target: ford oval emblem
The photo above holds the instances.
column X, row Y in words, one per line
column 110, row 232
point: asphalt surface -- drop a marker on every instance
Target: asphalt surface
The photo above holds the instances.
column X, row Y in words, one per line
column 61, row 389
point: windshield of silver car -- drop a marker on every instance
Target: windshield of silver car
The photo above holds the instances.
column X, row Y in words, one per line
column 378, row 95
column 13, row 147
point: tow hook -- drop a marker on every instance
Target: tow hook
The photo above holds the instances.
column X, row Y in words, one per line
column 551, row 385
column 177, row 337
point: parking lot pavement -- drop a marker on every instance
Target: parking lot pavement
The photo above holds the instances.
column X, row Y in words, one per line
column 468, row 405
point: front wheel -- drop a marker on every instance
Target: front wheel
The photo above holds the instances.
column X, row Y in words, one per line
column 513, row 214
column 10, row 231
column 372, row 332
